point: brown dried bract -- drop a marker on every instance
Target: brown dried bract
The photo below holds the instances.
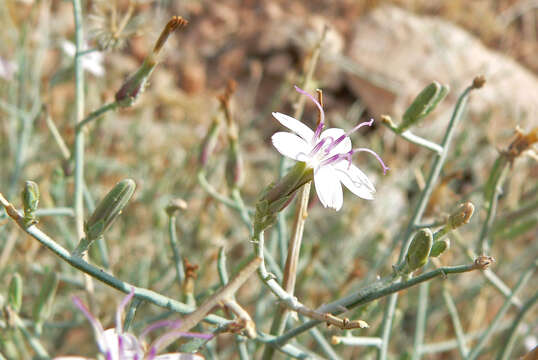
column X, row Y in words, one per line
column 175, row 23
column 521, row 143
column 483, row 261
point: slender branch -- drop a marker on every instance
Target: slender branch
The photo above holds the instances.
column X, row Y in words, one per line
column 412, row 138
column 484, row 243
column 422, row 309
column 435, row 171
column 458, row 329
column 96, row 114
column 357, row 341
column 508, row 346
column 377, row 290
column 178, row 262
column 493, row 325
column 131, row 311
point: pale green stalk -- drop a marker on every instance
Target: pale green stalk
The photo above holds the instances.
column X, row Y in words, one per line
column 525, row 277
column 419, row 210
column 511, row 336
column 420, row 329
column 456, row 323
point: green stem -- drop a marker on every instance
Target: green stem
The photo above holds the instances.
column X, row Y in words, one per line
column 178, row 262
column 374, row 291
column 484, row 242
column 422, row 310
column 131, row 311
column 435, row 171
column 493, row 325
column 508, row 346
column 458, row 329
column 96, row 114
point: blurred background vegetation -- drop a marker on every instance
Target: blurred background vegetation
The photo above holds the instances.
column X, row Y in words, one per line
column 264, row 47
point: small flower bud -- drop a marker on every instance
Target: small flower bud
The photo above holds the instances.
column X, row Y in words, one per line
column 109, row 208
column 439, row 247
column 424, row 103
column 419, row 250
column 461, row 216
column 15, row 292
column 483, row 261
column 210, row 141
column 234, row 165
column 174, row 206
column 136, row 84
column 30, row 200
column 479, row 82
column 277, row 196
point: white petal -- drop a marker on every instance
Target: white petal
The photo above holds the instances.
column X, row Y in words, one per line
column 295, row 125
column 355, row 180
column 290, row 145
column 328, row 187
column 179, row 356
column 335, row 133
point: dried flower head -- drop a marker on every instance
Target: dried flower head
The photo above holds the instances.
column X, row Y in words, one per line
column 521, row 143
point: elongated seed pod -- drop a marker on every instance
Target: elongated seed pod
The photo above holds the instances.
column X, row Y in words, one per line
column 424, row 103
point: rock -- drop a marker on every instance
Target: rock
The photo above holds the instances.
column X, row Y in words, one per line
column 398, row 53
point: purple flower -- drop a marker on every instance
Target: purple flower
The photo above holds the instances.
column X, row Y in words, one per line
column 329, row 154
column 116, row 344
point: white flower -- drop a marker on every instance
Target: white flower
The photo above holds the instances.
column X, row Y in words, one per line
column 328, row 153
column 116, row 344
column 91, row 61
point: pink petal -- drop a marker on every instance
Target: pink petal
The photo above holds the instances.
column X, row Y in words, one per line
column 290, row 145
column 295, row 125
column 328, row 187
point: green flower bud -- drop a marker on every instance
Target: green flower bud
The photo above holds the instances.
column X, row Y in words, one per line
column 135, row 84
column 419, row 250
column 461, row 216
column 424, row 103
column 109, row 208
column 30, row 200
column 15, row 292
column 439, row 247
column 277, row 196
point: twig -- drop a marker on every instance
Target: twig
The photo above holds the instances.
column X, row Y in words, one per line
column 493, row 325
column 416, row 217
column 223, row 294
column 96, row 114
column 511, row 335
column 422, row 309
column 458, row 329
column 377, row 290
column 412, row 138
column 357, row 341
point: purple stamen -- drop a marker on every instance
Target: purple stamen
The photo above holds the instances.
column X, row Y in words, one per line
column 385, row 168
column 341, row 138
column 152, row 352
column 319, row 145
column 120, row 346
column 365, row 123
column 95, row 323
column 121, row 307
column 157, row 325
column 322, row 113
